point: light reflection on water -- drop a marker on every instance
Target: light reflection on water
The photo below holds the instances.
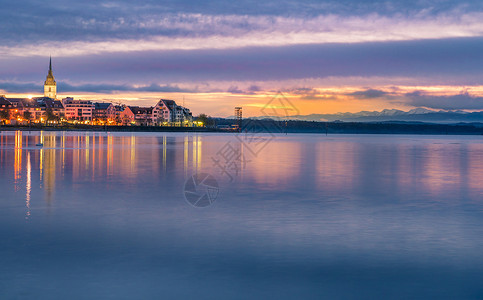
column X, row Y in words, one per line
column 305, row 217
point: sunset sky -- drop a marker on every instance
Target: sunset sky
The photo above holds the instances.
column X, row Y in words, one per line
column 326, row 56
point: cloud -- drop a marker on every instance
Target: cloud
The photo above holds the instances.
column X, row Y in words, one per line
column 453, row 59
column 459, row 101
column 368, row 94
column 250, row 90
column 235, row 90
column 85, row 30
column 109, row 88
column 254, row 88
column 12, row 87
column 306, row 93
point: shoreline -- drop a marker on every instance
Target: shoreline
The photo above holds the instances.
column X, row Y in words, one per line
column 272, row 128
column 108, row 128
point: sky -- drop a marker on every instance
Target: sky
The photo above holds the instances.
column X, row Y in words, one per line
column 324, row 56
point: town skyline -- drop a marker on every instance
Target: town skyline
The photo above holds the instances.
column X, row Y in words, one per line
column 49, row 109
column 327, row 57
column 468, row 95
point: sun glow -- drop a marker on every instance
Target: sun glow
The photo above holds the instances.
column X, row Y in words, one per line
column 316, row 100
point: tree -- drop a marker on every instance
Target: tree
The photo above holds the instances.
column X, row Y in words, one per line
column 206, row 120
column 202, row 118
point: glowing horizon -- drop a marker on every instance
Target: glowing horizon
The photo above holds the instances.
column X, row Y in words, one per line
column 327, row 57
column 308, row 101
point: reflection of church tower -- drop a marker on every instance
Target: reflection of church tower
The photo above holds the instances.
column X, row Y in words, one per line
column 50, row 86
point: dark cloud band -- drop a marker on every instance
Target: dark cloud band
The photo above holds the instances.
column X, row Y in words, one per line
column 448, row 61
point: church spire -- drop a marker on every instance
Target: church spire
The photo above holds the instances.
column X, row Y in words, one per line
column 50, row 86
column 51, row 74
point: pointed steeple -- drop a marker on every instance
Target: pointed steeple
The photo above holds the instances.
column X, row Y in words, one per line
column 50, row 76
column 50, row 86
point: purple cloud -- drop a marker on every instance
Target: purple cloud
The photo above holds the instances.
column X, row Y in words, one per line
column 460, row 101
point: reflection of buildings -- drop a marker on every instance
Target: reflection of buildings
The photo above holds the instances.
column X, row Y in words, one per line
column 18, row 158
column 332, row 166
column 49, row 167
column 181, row 153
column 75, row 164
column 28, row 186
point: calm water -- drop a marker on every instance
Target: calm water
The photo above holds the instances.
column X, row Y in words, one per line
column 98, row 215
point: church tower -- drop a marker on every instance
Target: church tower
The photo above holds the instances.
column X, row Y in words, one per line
column 50, row 86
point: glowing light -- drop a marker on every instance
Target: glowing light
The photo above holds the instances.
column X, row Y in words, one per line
column 28, row 185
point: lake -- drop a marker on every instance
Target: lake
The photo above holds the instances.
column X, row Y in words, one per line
column 249, row 216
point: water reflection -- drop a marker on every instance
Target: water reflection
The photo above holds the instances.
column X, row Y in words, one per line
column 48, row 175
column 333, row 160
column 28, row 186
column 18, row 158
column 308, row 210
column 280, row 163
column 375, row 167
column 69, row 158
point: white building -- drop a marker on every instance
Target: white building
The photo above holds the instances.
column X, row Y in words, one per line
column 167, row 111
column 80, row 110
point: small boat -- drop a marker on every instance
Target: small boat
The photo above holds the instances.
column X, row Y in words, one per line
column 39, row 145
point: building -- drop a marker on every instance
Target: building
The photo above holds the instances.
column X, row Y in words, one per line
column 184, row 116
column 16, row 102
column 5, row 109
column 135, row 115
column 238, row 117
column 27, row 108
column 50, row 86
column 44, row 108
column 35, row 109
column 4, row 103
column 163, row 111
column 100, row 113
column 167, row 111
column 79, row 110
column 54, row 109
column 114, row 114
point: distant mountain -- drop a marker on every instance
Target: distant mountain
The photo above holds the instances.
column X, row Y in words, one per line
column 414, row 115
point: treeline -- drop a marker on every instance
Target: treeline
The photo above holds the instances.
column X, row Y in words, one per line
column 295, row 126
